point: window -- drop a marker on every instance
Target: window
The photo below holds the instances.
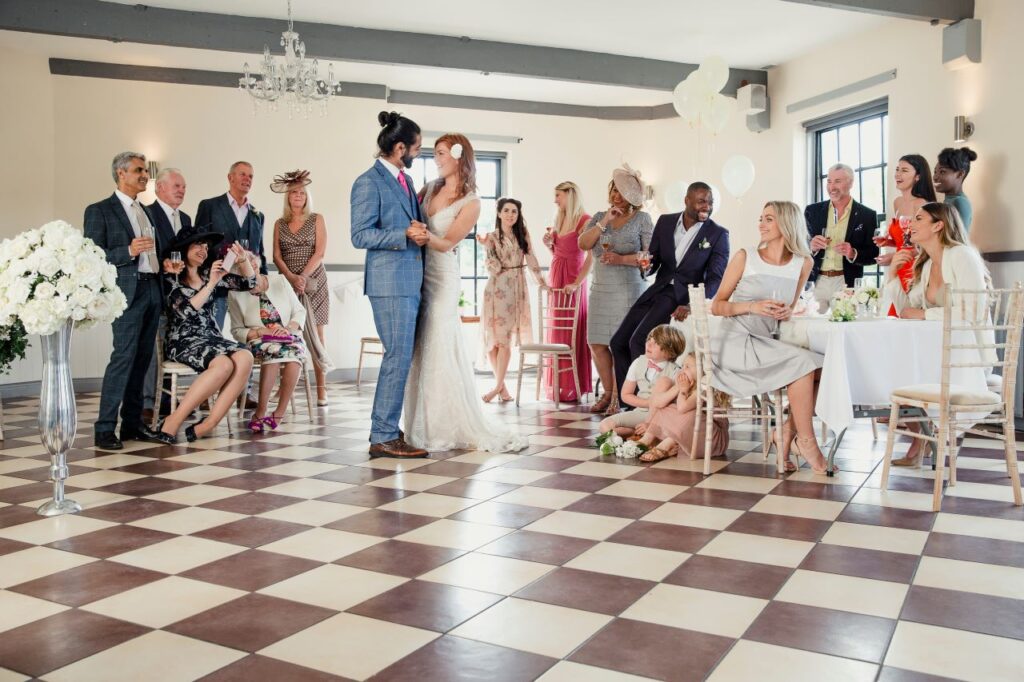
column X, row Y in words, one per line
column 860, row 139
column 490, row 168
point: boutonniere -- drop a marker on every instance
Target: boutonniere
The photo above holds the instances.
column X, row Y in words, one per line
column 860, row 226
column 255, row 212
column 704, row 244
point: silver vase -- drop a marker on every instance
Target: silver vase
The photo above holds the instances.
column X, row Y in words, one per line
column 58, row 419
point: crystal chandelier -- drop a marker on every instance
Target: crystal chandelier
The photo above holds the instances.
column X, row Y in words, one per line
column 296, row 79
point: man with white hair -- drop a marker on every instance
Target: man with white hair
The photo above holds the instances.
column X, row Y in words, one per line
column 168, row 220
column 841, row 232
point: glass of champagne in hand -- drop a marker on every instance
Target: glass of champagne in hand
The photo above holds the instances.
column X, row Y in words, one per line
column 643, row 259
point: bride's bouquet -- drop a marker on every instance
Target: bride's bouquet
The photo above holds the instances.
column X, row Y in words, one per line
column 54, row 274
column 612, row 443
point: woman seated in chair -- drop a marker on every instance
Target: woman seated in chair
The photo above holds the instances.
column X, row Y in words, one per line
column 269, row 319
column 193, row 337
column 943, row 258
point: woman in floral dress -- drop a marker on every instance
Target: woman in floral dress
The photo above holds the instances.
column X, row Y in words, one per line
column 506, row 314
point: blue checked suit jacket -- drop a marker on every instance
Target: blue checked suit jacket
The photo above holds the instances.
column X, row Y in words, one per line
column 381, row 212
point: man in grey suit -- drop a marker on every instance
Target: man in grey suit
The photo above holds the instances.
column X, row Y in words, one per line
column 234, row 216
column 121, row 227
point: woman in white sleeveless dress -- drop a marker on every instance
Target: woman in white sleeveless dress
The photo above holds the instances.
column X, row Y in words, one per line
column 758, row 291
column 442, row 408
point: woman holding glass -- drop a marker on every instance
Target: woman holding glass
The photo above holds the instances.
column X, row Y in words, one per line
column 618, row 235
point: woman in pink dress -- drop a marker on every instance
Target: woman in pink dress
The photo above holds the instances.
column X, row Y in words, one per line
column 569, row 269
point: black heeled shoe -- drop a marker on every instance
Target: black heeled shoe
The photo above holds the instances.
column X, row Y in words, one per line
column 165, row 438
column 190, row 433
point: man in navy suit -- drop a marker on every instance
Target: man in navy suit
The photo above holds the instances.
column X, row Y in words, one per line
column 121, row 227
column 686, row 248
column 168, row 219
column 236, row 218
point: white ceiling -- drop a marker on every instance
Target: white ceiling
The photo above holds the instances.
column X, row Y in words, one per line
column 746, row 33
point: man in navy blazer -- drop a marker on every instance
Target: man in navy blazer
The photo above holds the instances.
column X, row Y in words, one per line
column 168, row 220
column 234, row 216
column 686, row 248
column 119, row 225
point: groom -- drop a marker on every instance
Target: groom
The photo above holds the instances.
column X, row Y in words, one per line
column 386, row 221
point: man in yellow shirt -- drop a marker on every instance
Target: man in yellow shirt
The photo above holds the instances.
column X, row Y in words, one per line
column 840, row 230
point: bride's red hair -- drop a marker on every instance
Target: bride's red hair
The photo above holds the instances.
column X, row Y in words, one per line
column 467, row 164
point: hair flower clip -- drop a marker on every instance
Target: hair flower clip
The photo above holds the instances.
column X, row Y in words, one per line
column 457, row 151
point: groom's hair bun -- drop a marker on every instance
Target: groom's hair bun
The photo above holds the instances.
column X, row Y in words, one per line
column 395, row 128
column 388, row 118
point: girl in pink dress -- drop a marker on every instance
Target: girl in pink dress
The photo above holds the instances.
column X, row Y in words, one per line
column 569, row 268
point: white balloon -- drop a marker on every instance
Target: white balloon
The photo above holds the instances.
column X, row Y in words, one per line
column 686, row 101
column 715, row 72
column 700, row 85
column 738, row 175
column 674, row 196
column 719, row 111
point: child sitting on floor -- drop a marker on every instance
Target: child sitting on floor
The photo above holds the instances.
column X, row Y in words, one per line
column 673, row 413
column 664, row 344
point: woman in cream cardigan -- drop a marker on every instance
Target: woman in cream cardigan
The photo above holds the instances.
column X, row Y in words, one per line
column 942, row 259
column 269, row 320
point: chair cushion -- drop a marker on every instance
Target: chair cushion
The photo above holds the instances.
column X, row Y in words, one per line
column 171, row 367
column 545, row 347
column 995, row 383
column 958, row 395
column 369, row 339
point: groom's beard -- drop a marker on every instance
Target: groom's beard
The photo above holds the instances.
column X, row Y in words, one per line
column 407, row 161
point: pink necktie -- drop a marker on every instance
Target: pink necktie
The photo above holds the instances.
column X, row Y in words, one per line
column 651, row 364
column 402, row 181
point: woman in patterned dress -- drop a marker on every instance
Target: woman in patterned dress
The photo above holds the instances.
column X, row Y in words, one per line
column 618, row 233
column 300, row 241
column 506, row 315
column 195, row 339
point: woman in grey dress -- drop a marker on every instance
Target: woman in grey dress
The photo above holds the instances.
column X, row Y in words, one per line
column 758, row 291
column 617, row 234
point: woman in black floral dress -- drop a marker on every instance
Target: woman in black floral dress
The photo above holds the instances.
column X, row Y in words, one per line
column 193, row 337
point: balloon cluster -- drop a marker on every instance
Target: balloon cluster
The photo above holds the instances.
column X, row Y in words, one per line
column 698, row 99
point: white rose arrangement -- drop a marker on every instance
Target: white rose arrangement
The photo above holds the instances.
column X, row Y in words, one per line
column 54, row 274
column 843, row 309
column 612, row 443
column 866, row 294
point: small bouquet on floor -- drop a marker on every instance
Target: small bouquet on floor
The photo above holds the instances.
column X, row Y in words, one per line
column 843, row 307
column 612, row 443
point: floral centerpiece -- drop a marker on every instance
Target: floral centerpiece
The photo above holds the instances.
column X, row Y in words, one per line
column 868, row 297
column 843, row 308
column 612, row 443
column 53, row 274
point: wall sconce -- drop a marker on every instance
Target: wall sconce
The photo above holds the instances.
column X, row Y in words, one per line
column 153, row 167
column 962, row 129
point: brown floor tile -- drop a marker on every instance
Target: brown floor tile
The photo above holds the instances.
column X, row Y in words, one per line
column 426, row 605
column 43, row 473
column 887, row 516
column 587, row 590
column 354, row 475
column 252, row 480
column 367, row 496
column 474, row 490
column 540, row 463
column 996, row 616
column 651, row 650
column 256, row 668
column 989, row 508
column 729, row 575
column 862, row 563
column 407, row 559
column 28, row 493
column 343, row 457
column 454, row 469
column 778, row 526
column 127, row 511
column 111, row 541
column 454, row 658
column 765, row 470
column 669, row 476
column 88, row 583
column 613, row 505
column 140, row 487
column 252, row 532
column 540, row 547
column 251, row 570
column 15, row 515
column 967, row 548
column 386, row 524
column 253, row 462
column 9, row 546
column 664, row 536
column 889, row 674
column 59, row 640
column 710, row 497
column 575, row 482
column 501, row 514
column 155, row 467
column 253, row 447
column 815, row 491
column 251, row 622
column 989, row 476
column 826, row 631
column 251, row 503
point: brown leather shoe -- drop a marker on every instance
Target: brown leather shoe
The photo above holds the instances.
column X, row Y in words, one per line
column 396, row 448
column 147, row 415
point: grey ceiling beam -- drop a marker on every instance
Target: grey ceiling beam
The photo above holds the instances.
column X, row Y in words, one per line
column 941, row 11
column 227, row 79
column 207, row 31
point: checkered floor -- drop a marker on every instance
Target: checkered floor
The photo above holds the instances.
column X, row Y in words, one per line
column 291, row 557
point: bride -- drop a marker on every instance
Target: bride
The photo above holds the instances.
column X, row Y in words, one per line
column 442, row 409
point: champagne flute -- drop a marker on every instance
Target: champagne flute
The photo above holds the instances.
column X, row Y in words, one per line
column 904, row 221
column 643, row 259
column 244, row 243
column 606, row 242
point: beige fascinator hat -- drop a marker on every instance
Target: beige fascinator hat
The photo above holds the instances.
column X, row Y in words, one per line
column 289, row 181
column 629, row 184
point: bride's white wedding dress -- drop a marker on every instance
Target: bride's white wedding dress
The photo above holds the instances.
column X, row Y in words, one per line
column 442, row 408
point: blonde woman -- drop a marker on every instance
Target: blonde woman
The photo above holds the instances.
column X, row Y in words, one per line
column 569, row 269
column 300, row 242
column 758, row 291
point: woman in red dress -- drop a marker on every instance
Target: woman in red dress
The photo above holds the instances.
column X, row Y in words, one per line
column 569, row 269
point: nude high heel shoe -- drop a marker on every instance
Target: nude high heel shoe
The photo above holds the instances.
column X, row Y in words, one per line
column 802, row 446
